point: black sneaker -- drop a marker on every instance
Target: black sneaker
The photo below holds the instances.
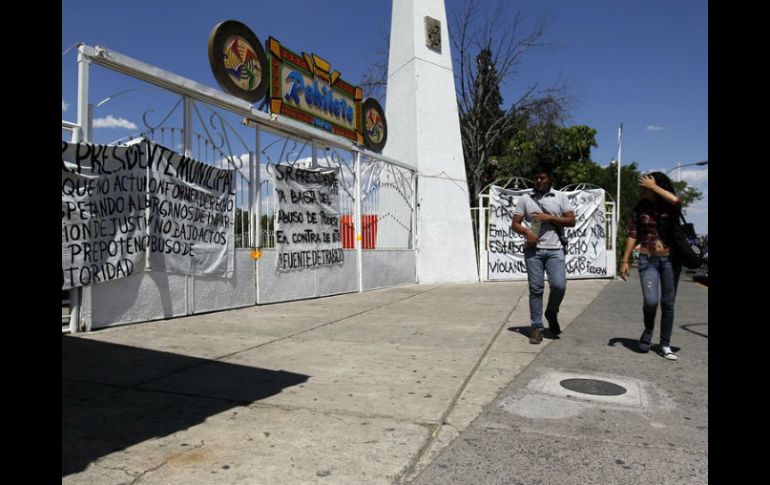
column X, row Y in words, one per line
column 553, row 324
column 644, row 341
column 536, row 335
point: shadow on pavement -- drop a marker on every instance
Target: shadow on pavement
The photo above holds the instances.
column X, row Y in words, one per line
column 633, row 345
column 115, row 396
column 527, row 332
column 629, row 343
column 687, row 327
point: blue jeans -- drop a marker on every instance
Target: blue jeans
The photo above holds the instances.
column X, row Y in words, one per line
column 539, row 262
column 655, row 271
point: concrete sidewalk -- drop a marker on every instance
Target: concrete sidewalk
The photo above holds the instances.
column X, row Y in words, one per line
column 361, row 388
column 538, row 432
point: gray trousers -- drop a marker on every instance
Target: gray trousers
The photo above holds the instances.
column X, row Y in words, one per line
column 539, row 262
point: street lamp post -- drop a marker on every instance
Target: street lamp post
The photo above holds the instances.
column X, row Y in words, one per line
column 679, row 165
column 617, row 199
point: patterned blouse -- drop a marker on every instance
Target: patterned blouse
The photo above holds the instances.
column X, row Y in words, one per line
column 644, row 228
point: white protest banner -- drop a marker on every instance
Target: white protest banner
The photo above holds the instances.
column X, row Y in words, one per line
column 102, row 213
column 125, row 205
column 586, row 250
column 307, row 230
column 505, row 259
column 191, row 215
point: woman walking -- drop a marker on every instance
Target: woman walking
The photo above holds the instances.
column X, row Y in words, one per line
column 659, row 270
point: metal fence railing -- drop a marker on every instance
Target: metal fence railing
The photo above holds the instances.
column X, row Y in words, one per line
column 219, row 129
column 387, row 208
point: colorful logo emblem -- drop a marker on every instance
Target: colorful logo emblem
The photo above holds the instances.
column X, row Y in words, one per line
column 238, row 61
column 242, row 63
column 375, row 126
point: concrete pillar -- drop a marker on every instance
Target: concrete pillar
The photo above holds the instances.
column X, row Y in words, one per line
column 424, row 130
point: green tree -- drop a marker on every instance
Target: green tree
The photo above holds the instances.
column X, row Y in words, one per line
column 483, row 124
column 567, row 149
column 242, row 225
column 687, row 193
column 267, row 225
column 488, row 48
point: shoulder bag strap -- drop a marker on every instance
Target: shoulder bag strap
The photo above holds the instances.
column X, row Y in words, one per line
column 557, row 227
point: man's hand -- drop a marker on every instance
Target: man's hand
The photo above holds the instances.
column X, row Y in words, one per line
column 532, row 239
column 542, row 217
column 624, row 270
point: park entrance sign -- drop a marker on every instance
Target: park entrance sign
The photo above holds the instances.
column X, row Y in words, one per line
column 302, row 87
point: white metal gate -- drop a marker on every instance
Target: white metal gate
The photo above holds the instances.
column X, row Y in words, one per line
column 482, row 215
column 377, row 199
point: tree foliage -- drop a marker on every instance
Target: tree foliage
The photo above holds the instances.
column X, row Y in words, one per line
column 687, row 193
column 567, row 149
column 488, row 47
column 498, row 142
column 487, row 53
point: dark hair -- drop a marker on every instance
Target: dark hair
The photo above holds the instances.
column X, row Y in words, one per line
column 543, row 167
column 662, row 181
column 644, row 205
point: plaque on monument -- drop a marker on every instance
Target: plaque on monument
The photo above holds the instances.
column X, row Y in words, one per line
column 433, row 33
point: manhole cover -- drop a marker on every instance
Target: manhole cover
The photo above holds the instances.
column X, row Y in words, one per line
column 593, row 386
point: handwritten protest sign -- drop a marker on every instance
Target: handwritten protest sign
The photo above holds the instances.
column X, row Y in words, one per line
column 586, row 251
column 307, row 231
column 126, row 209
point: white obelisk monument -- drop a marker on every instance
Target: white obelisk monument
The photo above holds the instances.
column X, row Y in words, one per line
column 424, row 129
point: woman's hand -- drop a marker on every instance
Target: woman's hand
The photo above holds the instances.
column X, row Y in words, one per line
column 647, row 182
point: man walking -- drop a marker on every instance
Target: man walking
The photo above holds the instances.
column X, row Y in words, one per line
column 548, row 211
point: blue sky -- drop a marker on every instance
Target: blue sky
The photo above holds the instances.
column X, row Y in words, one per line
column 642, row 63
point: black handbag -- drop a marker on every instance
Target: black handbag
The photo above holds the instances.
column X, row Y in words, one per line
column 686, row 244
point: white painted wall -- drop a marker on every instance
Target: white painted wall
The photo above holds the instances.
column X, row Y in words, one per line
column 210, row 294
column 424, row 129
column 381, row 269
column 277, row 286
column 388, row 268
column 156, row 295
column 137, row 298
column 274, row 286
column 335, row 280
